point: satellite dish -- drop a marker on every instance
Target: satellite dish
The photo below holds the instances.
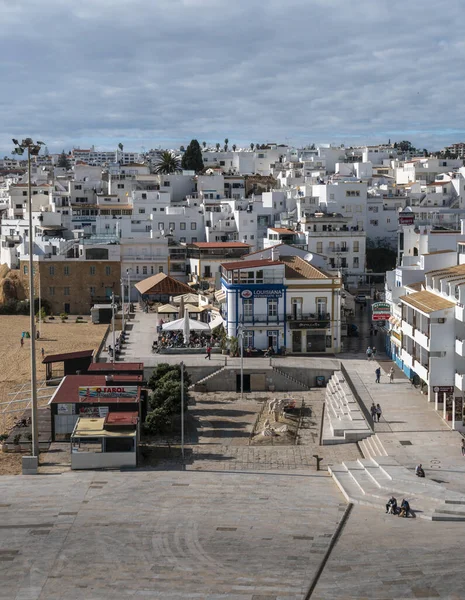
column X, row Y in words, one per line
column 308, row 257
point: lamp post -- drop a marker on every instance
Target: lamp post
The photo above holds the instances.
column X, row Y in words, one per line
column 240, row 335
column 113, row 327
column 129, row 287
column 122, row 303
column 33, row 149
column 182, row 410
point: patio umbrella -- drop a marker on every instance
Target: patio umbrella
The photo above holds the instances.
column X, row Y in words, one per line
column 178, row 325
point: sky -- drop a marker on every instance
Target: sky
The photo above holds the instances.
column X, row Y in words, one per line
column 158, row 73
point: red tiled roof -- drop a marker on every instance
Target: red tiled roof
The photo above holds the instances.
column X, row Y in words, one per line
column 68, row 391
column 282, row 230
column 122, row 418
column 250, row 264
column 220, row 245
column 51, row 358
column 115, row 367
column 162, row 284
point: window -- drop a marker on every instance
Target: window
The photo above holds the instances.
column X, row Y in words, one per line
column 66, row 291
column 193, row 225
column 162, row 209
column 120, row 186
column 66, row 270
column 248, row 339
column 107, row 270
column 78, row 187
column 51, row 291
column 92, row 270
column 182, row 240
column 182, row 226
column 172, row 226
column 161, row 226
column 321, row 307
column 356, row 247
column 166, row 184
column 252, row 237
column 319, row 247
column 92, row 290
column 144, row 270
column 356, row 262
column 24, row 194
column 247, row 308
column 374, row 222
column 160, row 269
column 151, row 270
column 194, row 240
column 141, row 211
column 272, row 307
column 25, row 270
column 137, row 270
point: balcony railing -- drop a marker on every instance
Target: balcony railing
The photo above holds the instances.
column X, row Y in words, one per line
column 263, row 318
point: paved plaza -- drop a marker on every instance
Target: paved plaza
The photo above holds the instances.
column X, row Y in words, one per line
column 237, row 521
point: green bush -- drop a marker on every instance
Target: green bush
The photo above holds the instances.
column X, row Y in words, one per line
column 165, row 399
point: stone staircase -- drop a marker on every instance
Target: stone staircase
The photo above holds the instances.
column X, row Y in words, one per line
column 293, row 380
column 202, row 382
column 372, row 447
column 372, row 481
column 344, row 420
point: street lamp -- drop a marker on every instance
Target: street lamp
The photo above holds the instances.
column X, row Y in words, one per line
column 32, row 148
column 240, row 335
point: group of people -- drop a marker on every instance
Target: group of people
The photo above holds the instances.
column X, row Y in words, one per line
column 376, row 412
column 392, row 508
column 370, row 352
column 390, row 375
column 118, row 343
column 175, row 339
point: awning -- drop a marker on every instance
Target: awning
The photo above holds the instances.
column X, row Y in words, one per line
column 220, row 295
column 167, row 308
column 180, row 325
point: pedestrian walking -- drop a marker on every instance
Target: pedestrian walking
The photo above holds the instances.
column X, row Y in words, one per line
column 209, row 353
column 42, row 351
column 374, row 352
column 463, row 446
column 391, row 377
column 378, row 412
column 369, row 353
column 22, row 342
column 373, row 411
column 378, row 375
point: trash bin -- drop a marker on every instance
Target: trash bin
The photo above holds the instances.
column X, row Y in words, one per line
column 320, row 381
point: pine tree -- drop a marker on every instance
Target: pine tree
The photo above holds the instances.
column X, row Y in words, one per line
column 192, row 158
column 63, row 161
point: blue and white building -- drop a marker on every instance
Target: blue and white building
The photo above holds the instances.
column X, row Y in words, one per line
column 282, row 302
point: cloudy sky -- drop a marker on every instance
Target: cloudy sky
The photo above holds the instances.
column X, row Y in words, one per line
column 160, row 72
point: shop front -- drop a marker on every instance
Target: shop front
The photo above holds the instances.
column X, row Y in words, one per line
column 307, row 337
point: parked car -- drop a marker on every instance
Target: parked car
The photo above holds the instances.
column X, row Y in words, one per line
column 361, row 298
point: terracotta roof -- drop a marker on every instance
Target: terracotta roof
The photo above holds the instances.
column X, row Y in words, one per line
column 282, row 230
column 207, row 245
column 68, row 391
column 297, row 268
column 250, row 264
column 417, row 287
column 427, row 302
column 447, row 271
column 162, row 284
column 438, row 252
column 102, row 367
column 51, row 358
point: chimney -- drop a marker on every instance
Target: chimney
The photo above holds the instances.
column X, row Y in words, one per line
column 274, row 253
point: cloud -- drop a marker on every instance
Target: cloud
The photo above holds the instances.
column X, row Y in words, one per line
column 150, row 73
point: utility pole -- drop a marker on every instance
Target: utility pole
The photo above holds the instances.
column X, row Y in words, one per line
column 240, row 335
column 33, row 149
column 182, row 410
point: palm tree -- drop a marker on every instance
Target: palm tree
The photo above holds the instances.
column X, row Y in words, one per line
column 252, row 146
column 217, row 147
column 234, row 147
column 226, row 144
column 204, row 144
column 166, row 163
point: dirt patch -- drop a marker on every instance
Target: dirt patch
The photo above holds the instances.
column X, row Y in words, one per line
column 15, row 368
column 283, row 432
column 10, row 463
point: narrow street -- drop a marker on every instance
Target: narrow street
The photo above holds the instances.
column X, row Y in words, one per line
column 356, row 345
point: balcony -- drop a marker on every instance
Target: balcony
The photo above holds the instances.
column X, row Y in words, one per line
column 460, row 381
column 421, row 338
column 407, row 329
column 460, row 347
column 262, row 319
column 407, row 358
column 309, row 317
column 421, row 370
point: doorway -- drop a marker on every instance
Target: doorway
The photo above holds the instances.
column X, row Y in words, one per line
column 246, row 383
column 273, row 340
column 297, row 341
column 67, row 308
